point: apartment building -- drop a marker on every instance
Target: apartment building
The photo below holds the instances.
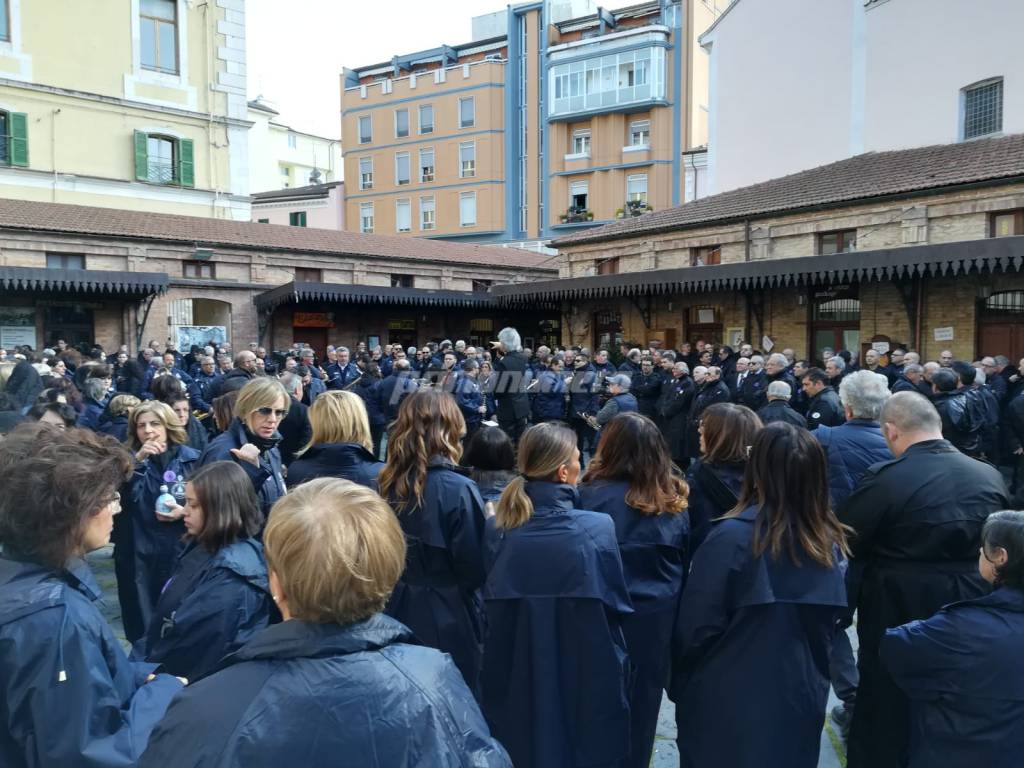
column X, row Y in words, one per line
column 557, row 116
column 132, row 104
column 284, row 157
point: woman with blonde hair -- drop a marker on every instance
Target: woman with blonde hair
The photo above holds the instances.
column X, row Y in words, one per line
column 336, row 677
column 251, row 438
column 147, row 540
column 442, row 514
column 632, row 480
column 341, row 445
column 556, row 670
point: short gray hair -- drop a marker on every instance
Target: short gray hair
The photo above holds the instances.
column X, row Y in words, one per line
column 620, row 380
column 838, row 362
column 509, row 338
column 912, row 368
column 1002, row 360
column 779, row 389
column 757, row 359
column 864, row 393
column 911, row 412
column 292, row 382
column 779, row 359
column 95, row 388
column 681, row 366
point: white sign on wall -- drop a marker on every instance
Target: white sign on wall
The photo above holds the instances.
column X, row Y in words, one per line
column 17, row 327
column 881, row 347
column 944, row 334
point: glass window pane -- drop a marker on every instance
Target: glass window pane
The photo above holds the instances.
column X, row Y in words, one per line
column 365, row 130
column 5, row 32
column 467, row 209
column 401, row 123
column 162, row 9
column 147, row 30
column 403, row 215
column 168, row 48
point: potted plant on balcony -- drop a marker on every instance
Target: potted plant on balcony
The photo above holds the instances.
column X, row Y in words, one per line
column 575, row 215
column 637, row 208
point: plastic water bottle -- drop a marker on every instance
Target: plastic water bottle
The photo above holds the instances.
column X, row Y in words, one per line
column 178, row 491
column 164, row 502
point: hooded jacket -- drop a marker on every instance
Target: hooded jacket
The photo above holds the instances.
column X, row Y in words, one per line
column 70, row 697
column 266, row 479
column 348, row 461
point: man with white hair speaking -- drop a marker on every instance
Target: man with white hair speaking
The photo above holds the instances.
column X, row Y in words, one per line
column 512, row 402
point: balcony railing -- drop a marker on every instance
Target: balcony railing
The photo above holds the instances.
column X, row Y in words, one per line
column 634, row 208
column 624, row 81
column 161, row 173
column 576, row 215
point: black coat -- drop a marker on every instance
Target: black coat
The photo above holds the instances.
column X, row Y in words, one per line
column 393, row 390
column 676, row 401
column 917, row 522
column 714, row 490
column 512, row 401
column 348, row 461
column 647, row 391
column 753, row 392
column 903, row 384
column 825, row 408
column 959, row 424
column 780, row 410
column 302, row 694
column 267, row 479
column 231, row 381
column 707, row 394
column 296, row 431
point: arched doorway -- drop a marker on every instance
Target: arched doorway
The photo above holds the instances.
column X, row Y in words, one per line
column 199, row 321
column 1001, row 325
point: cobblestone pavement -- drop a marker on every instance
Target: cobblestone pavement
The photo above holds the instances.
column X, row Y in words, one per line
column 665, row 753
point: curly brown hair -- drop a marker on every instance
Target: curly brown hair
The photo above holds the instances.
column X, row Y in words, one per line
column 69, row 476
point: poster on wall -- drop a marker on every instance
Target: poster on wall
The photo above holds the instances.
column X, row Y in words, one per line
column 17, row 327
column 200, row 335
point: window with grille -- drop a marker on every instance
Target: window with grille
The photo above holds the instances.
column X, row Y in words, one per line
column 164, row 159
column 403, row 215
column 200, row 270
column 366, row 173
column 467, row 160
column 1008, row 223
column 1007, row 302
column 837, row 311
column 426, row 165
column 843, row 241
column 428, row 213
column 158, row 35
column 401, row 123
column 366, row 218
column 426, row 118
column 702, row 257
column 365, row 129
column 467, row 209
column 401, row 281
column 402, row 175
column 983, row 108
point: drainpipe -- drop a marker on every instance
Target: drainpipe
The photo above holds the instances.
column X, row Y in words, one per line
column 920, row 315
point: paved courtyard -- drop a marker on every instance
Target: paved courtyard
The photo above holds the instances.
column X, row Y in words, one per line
column 665, row 754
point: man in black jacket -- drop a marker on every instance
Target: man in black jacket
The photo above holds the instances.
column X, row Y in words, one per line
column 917, row 522
column 778, row 408
column 676, row 399
column 646, row 388
column 909, row 380
column 960, row 424
column 243, row 372
column 710, row 390
column 396, row 387
column 823, row 405
column 511, row 401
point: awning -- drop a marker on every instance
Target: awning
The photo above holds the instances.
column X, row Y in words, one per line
column 293, row 293
column 83, row 281
column 1003, row 254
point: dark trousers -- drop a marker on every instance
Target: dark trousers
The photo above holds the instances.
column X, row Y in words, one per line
column 842, row 669
column 376, row 436
column 584, row 438
column 514, row 428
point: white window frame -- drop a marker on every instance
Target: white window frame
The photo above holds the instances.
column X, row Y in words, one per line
column 472, row 101
column 408, row 126
column 293, row 140
column 399, row 204
column 467, row 168
column 643, row 129
column 467, row 196
column 359, row 128
column 422, row 166
column 364, row 209
column 963, row 107
column 574, row 188
column 636, row 178
column 408, row 162
column 427, row 226
column 366, row 179
column 419, row 118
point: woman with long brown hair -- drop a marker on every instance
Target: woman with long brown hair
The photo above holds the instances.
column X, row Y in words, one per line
column 631, row 479
column 556, row 670
column 726, row 432
column 442, row 516
column 750, row 673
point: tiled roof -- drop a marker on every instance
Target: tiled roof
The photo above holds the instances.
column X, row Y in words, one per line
column 112, row 222
column 874, row 174
column 291, row 193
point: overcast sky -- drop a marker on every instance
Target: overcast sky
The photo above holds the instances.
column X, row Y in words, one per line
column 297, row 48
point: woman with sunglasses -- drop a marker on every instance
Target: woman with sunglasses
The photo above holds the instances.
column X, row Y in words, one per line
column 251, row 438
column 68, row 694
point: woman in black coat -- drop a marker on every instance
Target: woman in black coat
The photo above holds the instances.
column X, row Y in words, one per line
column 341, row 444
column 491, row 460
column 726, row 433
column 631, row 479
column 442, row 515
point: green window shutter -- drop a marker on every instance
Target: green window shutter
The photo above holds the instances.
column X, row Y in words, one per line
column 141, row 156
column 186, row 163
column 18, row 148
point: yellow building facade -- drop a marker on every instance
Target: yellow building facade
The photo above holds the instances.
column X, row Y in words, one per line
column 132, row 104
column 546, row 122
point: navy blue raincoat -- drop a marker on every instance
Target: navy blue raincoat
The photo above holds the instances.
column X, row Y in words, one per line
column 963, row 671
column 556, row 678
column 750, row 666
column 714, row 490
column 267, row 480
column 349, row 461
column 438, row 596
column 302, row 694
column 655, row 562
column 213, row 604
column 155, row 544
column 69, row 697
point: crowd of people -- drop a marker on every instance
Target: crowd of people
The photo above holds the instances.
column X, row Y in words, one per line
column 497, row 556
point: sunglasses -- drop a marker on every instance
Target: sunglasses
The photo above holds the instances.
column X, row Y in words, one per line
column 271, row 412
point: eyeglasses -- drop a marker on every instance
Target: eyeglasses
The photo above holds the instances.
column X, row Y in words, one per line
column 267, row 412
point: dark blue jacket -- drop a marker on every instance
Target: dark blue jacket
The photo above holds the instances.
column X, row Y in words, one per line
column 963, row 672
column 91, row 415
column 850, row 449
column 549, row 397
column 393, row 390
column 155, row 544
column 469, row 399
column 655, row 561
column 753, row 639
column 204, row 384
column 340, row 376
column 583, row 392
column 556, row 677
column 438, row 595
column 302, row 694
column 714, row 490
column 369, row 389
column 69, row 697
column 647, row 391
column 116, row 427
column 266, row 479
column 212, row 606
column 349, row 461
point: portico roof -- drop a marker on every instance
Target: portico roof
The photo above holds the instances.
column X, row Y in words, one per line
column 83, row 281
column 293, row 293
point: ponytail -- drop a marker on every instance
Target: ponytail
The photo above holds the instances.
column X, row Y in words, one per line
column 514, row 506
